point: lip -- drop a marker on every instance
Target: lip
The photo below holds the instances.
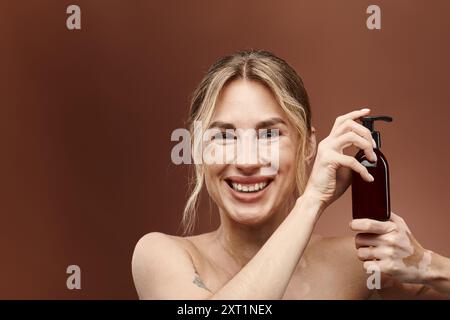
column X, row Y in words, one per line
column 250, row 196
column 250, row 180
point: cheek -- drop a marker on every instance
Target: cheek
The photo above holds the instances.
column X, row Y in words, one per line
column 288, row 166
column 212, row 178
column 287, row 157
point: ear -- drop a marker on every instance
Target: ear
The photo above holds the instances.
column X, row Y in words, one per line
column 312, row 146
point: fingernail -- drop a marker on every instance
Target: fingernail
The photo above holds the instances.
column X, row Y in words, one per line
column 365, row 109
column 374, row 143
column 371, row 178
column 375, row 156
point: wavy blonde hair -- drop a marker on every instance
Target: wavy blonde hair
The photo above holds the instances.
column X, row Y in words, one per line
column 286, row 86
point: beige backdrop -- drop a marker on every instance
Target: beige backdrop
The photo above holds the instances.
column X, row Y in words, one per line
column 86, row 118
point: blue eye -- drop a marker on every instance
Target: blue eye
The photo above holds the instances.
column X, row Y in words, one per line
column 269, row 133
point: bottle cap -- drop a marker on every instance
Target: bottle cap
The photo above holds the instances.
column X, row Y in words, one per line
column 368, row 122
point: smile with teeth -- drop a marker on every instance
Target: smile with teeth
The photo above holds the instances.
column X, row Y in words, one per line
column 253, row 187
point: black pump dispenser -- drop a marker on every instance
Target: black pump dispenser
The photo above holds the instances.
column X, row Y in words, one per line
column 368, row 122
column 372, row 199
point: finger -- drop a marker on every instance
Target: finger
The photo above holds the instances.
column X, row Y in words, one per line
column 376, row 240
column 351, row 138
column 351, row 115
column 396, row 218
column 372, row 226
column 371, row 253
column 399, row 221
column 367, row 240
column 352, row 163
column 385, row 266
column 372, row 265
column 351, row 125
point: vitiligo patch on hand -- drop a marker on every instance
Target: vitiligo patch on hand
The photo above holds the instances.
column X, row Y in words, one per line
column 415, row 259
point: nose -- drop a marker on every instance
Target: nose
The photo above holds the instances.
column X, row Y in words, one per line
column 248, row 168
column 247, row 158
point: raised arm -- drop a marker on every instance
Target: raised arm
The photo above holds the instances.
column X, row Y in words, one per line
column 163, row 270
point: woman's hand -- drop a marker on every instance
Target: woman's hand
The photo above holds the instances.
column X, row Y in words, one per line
column 332, row 170
column 389, row 246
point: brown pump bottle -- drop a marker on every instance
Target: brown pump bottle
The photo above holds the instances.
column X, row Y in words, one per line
column 372, row 199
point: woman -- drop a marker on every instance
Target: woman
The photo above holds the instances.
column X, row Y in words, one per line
column 264, row 247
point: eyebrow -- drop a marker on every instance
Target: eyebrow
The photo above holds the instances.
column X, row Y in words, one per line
column 262, row 124
column 270, row 122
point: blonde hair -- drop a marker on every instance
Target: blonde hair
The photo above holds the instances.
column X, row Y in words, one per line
column 275, row 74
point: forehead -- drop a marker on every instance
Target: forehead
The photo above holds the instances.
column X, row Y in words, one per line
column 245, row 102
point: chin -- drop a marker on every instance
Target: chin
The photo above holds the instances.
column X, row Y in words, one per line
column 250, row 215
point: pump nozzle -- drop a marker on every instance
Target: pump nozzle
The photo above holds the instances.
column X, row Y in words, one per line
column 368, row 122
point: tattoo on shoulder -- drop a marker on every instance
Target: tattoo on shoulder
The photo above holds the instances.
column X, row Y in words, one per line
column 198, row 281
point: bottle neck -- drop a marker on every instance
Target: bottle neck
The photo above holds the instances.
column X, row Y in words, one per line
column 377, row 137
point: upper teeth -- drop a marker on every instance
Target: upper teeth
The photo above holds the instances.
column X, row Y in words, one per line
column 249, row 187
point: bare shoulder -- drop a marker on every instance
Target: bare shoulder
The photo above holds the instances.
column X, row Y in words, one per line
column 153, row 248
column 162, row 268
column 154, row 241
column 157, row 244
column 340, row 255
column 336, row 250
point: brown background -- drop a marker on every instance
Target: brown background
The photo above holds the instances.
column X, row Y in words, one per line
column 86, row 118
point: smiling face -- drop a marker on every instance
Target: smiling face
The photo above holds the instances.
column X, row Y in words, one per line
column 244, row 190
